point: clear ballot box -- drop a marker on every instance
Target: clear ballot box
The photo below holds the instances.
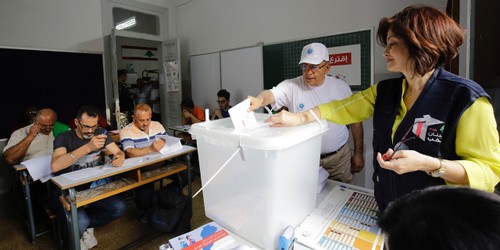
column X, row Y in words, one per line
column 268, row 180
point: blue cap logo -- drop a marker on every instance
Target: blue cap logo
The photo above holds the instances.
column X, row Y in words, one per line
column 301, row 106
column 310, row 51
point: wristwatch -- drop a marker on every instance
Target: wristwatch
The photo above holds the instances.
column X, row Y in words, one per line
column 441, row 171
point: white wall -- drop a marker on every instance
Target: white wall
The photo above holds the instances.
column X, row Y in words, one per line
column 71, row 25
column 206, row 26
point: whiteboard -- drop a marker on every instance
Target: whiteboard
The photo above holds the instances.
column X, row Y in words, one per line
column 205, row 80
column 242, row 72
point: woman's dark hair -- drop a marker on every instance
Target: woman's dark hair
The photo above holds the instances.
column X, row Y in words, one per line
column 432, row 37
column 443, row 217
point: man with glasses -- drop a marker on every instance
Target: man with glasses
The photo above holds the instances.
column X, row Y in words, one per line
column 315, row 87
column 34, row 140
column 223, row 97
column 81, row 148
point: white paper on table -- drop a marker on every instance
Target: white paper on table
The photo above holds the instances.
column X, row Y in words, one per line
column 171, row 143
column 82, row 173
column 43, row 179
column 240, row 116
column 39, row 168
column 133, row 161
column 322, row 177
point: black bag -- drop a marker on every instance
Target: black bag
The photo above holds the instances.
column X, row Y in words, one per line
column 171, row 212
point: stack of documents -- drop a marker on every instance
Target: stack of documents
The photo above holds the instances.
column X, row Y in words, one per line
column 39, row 168
column 171, row 143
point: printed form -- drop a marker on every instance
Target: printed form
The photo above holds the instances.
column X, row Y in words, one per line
column 345, row 219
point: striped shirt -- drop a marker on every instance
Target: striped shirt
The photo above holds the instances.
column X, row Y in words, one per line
column 133, row 137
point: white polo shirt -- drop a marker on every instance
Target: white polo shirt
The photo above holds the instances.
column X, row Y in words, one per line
column 298, row 97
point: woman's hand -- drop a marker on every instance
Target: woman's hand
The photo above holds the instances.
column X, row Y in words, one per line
column 405, row 161
column 285, row 119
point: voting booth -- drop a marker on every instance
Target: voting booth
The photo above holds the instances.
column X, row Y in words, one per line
column 261, row 179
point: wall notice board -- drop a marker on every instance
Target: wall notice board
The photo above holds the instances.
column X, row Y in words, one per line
column 239, row 71
column 63, row 81
column 350, row 59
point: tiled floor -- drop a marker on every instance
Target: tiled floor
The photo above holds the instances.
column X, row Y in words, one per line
column 117, row 235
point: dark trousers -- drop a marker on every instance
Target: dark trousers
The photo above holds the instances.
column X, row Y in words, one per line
column 96, row 214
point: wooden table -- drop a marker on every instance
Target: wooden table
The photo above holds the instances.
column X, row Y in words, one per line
column 72, row 199
column 180, row 128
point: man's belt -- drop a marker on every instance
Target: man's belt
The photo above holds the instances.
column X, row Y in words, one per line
column 331, row 153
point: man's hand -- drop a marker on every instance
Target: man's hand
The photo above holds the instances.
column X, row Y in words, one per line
column 118, row 160
column 218, row 114
column 157, row 145
column 35, row 129
column 357, row 162
column 97, row 142
column 186, row 113
column 255, row 103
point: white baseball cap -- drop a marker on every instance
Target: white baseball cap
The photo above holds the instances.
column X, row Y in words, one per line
column 314, row 53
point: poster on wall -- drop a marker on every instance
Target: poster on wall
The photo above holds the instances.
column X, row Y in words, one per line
column 139, row 53
column 171, row 76
column 345, row 63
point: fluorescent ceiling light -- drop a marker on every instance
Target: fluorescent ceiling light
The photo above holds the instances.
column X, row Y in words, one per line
column 130, row 22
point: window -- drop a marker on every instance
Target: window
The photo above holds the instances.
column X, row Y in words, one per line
column 134, row 21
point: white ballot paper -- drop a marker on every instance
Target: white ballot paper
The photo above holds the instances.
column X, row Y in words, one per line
column 39, row 168
column 171, row 143
column 240, row 116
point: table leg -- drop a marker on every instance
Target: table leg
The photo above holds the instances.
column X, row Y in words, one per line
column 29, row 206
column 189, row 166
column 72, row 219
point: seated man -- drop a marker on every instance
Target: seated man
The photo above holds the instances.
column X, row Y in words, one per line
column 34, row 140
column 223, row 98
column 191, row 114
column 78, row 149
column 139, row 139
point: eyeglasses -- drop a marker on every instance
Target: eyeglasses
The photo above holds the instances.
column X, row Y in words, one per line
column 221, row 101
column 87, row 127
column 314, row 67
column 47, row 127
column 401, row 145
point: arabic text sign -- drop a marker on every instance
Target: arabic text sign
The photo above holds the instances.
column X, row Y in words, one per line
column 345, row 63
column 341, row 59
